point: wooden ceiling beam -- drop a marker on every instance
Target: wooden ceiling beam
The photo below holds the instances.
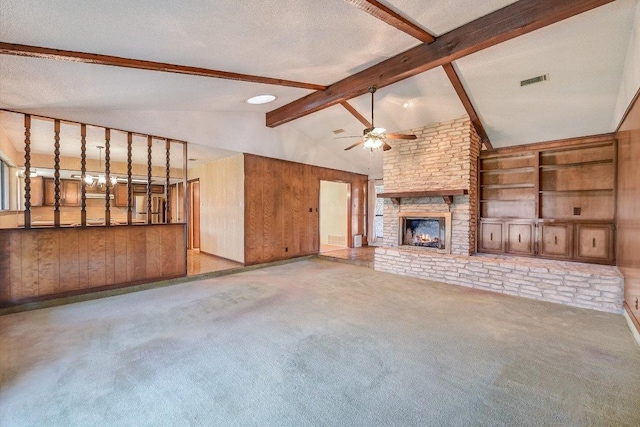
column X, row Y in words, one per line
column 116, row 61
column 466, row 102
column 383, row 13
column 367, row 124
column 507, row 23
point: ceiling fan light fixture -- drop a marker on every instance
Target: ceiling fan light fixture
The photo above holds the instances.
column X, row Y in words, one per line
column 261, row 99
column 372, row 143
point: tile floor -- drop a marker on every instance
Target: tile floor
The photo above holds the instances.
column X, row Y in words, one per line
column 199, row 263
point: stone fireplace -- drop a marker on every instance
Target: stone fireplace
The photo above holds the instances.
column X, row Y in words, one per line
column 442, row 161
column 430, row 219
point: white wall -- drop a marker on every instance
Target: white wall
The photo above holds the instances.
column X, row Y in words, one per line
column 631, row 75
column 333, row 212
column 222, row 207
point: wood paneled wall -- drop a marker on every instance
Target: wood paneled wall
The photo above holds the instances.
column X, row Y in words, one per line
column 281, row 207
column 43, row 263
column 222, row 207
column 628, row 209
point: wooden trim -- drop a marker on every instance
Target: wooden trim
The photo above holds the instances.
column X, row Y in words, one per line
column 468, row 105
column 149, row 168
column 117, row 61
column 56, row 173
column 549, row 145
column 88, row 291
column 107, row 177
column 536, row 173
column 414, row 194
column 628, row 110
column 615, row 186
column 386, row 15
column 27, row 173
column 356, row 114
column 447, row 195
column 504, row 24
column 129, row 178
column 167, row 190
column 72, row 122
column 634, row 320
column 83, row 172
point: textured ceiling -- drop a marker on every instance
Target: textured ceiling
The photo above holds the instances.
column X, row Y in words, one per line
column 310, row 41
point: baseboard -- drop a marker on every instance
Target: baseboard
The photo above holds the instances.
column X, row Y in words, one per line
column 632, row 322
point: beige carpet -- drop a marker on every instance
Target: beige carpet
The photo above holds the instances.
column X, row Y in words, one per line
column 317, row 343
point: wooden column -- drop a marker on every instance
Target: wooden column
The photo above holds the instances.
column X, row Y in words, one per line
column 167, row 189
column 107, row 186
column 149, row 147
column 185, row 198
column 83, row 173
column 27, row 171
column 129, row 183
column 56, row 174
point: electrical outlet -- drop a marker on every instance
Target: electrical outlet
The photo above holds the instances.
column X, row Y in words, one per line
column 286, row 249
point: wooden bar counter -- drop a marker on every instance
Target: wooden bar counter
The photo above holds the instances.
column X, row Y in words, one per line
column 43, row 263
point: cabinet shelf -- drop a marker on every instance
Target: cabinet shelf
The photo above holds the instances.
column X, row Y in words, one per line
column 507, row 185
column 507, row 201
column 509, row 170
column 577, row 164
column 564, row 192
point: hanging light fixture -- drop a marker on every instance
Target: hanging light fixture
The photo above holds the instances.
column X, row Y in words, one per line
column 101, row 180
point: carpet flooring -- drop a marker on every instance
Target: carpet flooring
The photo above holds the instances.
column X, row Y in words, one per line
column 317, row 343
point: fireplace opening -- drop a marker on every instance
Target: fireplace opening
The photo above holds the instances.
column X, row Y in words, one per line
column 424, row 232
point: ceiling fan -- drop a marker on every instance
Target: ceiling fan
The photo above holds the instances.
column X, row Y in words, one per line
column 374, row 137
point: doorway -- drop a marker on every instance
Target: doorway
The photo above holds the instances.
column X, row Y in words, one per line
column 194, row 215
column 334, row 215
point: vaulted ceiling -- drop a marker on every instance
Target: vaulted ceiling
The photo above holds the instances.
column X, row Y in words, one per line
column 317, row 43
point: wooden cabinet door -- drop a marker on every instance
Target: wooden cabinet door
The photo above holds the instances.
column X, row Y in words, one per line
column 120, row 195
column 69, row 192
column 490, row 237
column 37, row 191
column 594, row 243
column 520, row 238
column 556, row 240
column 49, row 192
column 157, row 189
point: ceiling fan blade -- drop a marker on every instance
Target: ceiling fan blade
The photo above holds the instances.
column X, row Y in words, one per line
column 353, row 145
column 400, row 136
column 385, row 146
column 350, row 136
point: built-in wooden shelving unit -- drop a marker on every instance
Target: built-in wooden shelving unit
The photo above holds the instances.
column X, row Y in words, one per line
column 553, row 200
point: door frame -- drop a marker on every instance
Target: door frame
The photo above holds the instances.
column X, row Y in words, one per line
column 191, row 228
column 349, row 218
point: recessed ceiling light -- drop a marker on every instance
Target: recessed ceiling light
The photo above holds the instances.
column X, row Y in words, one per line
column 261, row 99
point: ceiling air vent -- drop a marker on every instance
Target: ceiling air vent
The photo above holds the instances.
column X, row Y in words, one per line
column 533, row 80
column 337, row 131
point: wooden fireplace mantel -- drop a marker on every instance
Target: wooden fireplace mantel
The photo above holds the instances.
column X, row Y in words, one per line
column 447, row 195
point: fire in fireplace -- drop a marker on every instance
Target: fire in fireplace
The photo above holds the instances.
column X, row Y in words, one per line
column 425, row 232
